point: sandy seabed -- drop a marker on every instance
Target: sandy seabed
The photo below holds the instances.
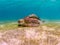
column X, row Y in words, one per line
column 30, row 36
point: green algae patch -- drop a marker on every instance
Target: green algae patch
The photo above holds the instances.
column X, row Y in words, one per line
column 8, row 26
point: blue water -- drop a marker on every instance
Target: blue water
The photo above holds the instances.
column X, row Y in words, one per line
column 17, row 9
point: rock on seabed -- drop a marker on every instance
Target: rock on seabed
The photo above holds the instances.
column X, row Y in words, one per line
column 29, row 36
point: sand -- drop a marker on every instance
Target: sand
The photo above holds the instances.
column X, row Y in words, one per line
column 42, row 35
